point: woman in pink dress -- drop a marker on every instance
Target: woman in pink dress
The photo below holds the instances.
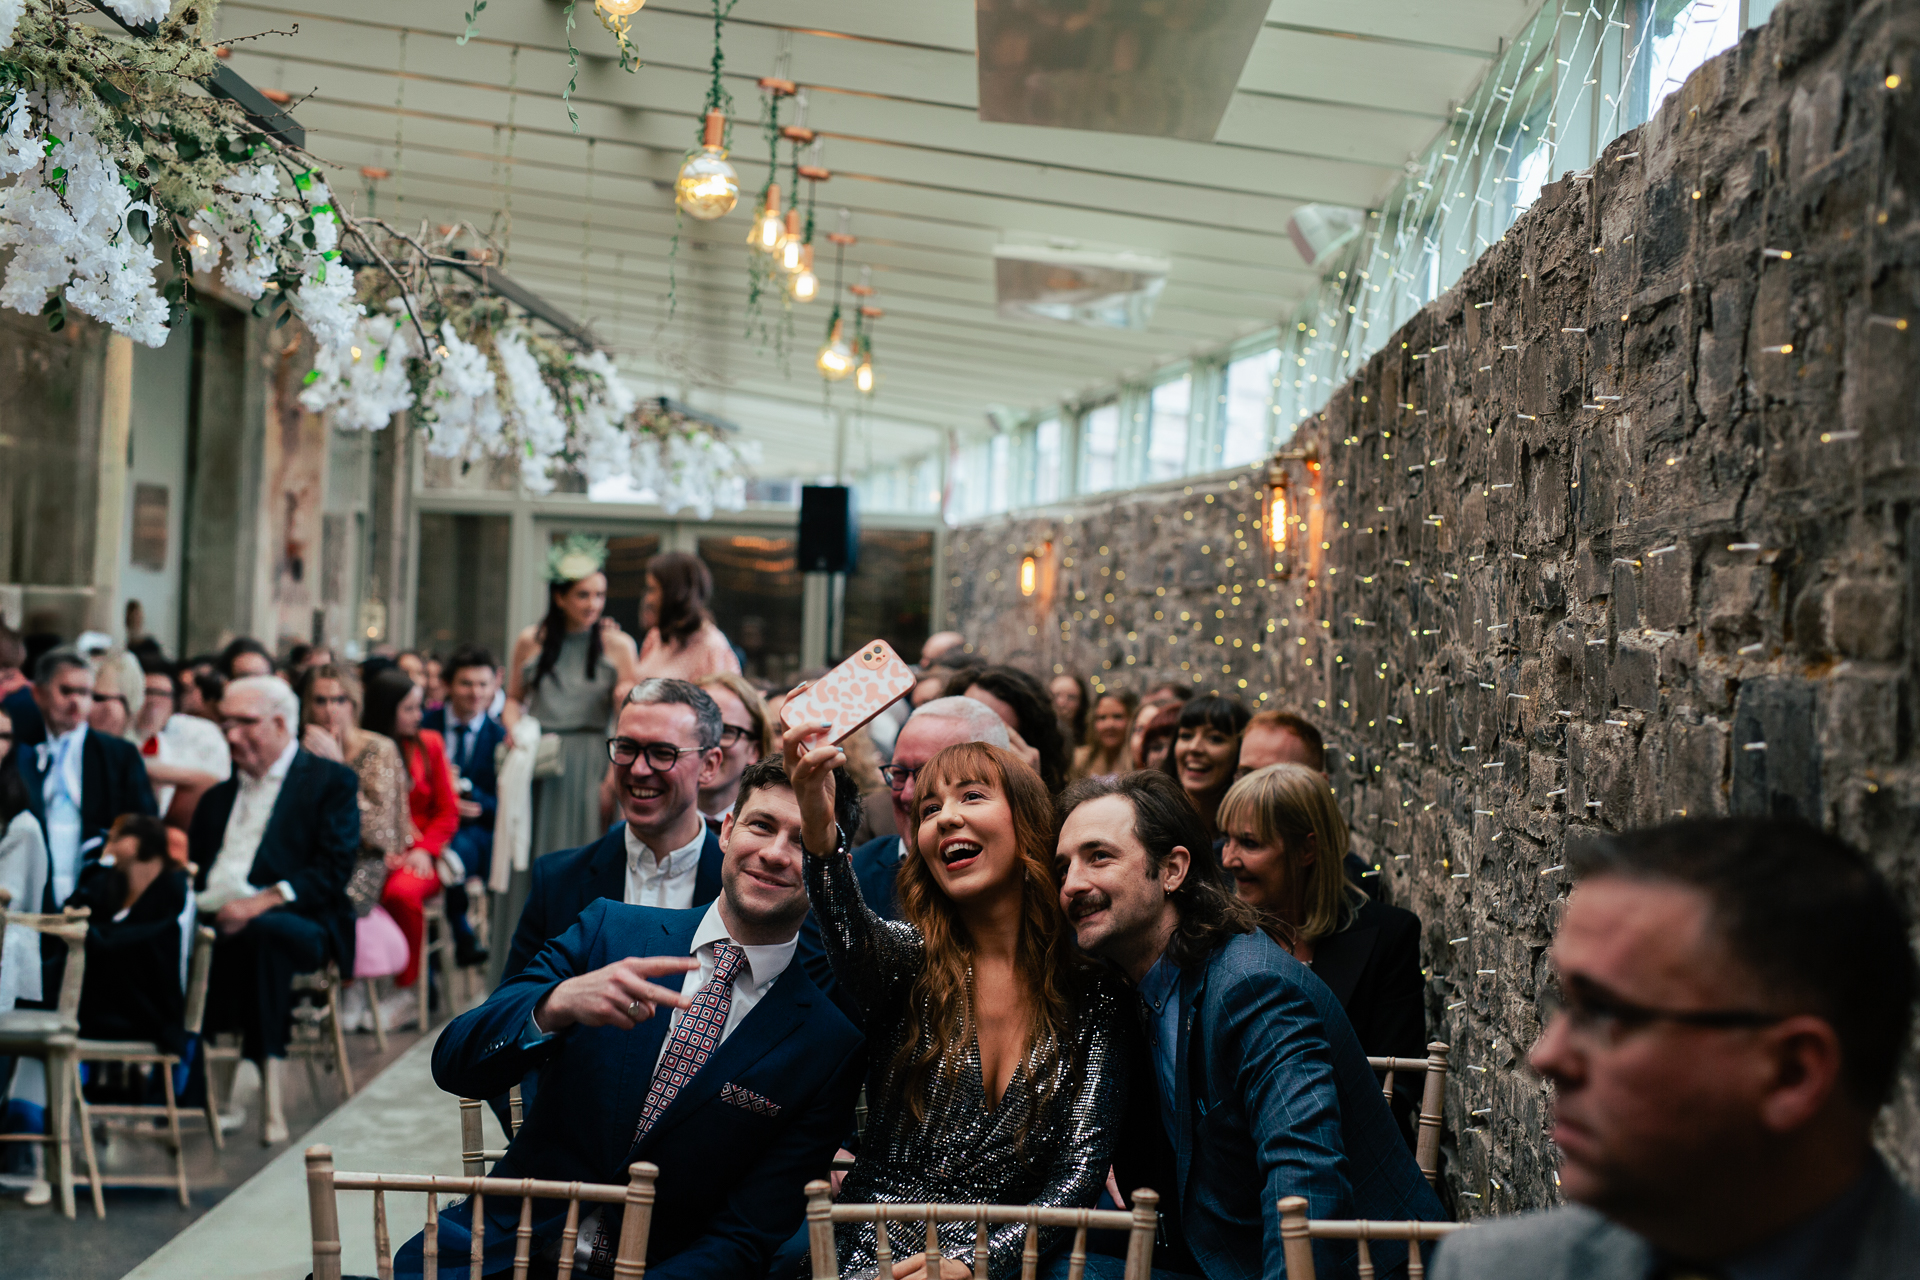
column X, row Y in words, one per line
column 682, row 642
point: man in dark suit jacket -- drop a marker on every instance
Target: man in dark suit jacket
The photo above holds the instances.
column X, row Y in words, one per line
column 471, row 736
column 275, row 845
column 1261, row 1090
column 77, row 783
column 1732, row 1002
column 736, row 1082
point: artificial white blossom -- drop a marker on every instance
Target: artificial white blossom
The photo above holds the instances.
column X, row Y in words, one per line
column 461, row 407
column 601, row 439
column 324, row 300
column 65, row 218
column 139, row 12
column 365, row 383
column 541, row 429
column 21, row 147
column 10, row 11
column 243, row 221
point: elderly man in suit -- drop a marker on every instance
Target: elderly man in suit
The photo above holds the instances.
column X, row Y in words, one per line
column 1731, row 1004
column 471, row 735
column 275, row 845
column 1259, row 1088
column 685, row 1037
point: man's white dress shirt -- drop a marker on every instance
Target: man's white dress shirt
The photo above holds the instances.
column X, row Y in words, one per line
column 663, row 882
column 60, row 786
column 252, row 809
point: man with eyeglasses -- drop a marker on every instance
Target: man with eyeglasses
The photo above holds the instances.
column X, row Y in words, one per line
column 1731, row 1003
column 745, row 737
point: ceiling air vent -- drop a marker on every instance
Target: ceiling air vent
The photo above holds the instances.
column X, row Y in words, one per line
column 1162, row 67
column 1103, row 289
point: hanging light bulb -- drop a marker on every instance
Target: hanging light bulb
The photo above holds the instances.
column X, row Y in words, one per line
column 789, row 253
column 619, row 8
column 803, row 284
column 707, row 187
column 768, row 227
column 863, row 376
column 835, row 360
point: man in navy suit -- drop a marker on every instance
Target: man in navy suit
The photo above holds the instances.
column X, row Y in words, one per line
column 471, row 736
column 932, row 728
column 667, row 746
column 738, row 1090
column 1261, row 1089
column 78, row 781
column 275, row 845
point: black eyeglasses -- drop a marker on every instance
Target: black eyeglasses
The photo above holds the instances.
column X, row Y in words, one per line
column 897, row 776
column 732, row 733
column 661, row 756
column 1603, row 1020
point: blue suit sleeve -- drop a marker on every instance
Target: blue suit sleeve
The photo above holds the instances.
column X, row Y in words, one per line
column 1285, row 1076
column 486, row 1051
column 769, row 1205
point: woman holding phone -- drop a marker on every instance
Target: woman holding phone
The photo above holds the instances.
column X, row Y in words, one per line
column 997, row 1051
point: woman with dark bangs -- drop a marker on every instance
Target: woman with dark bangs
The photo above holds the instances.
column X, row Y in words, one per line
column 997, row 1050
column 1206, row 754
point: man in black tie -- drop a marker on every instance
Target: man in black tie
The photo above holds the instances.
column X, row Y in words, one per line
column 471, row 735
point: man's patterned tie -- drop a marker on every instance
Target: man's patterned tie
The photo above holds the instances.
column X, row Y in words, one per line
column 694, row 1040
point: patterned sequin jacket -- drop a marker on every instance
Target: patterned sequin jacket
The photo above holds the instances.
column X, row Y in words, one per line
column 1021, row 1152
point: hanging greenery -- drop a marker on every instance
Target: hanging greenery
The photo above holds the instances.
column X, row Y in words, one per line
column 111, row 143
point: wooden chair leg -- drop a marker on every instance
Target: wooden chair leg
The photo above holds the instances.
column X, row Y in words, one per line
column 379, row 1019
column 211, row 1105
column 86, row 1142
column 173, row 1132
column 339, row 1036
column 59, row 1068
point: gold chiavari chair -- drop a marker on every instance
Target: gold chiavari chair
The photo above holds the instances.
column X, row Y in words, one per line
column 1433, row 1097
column 162, row 1062
column 474, row 1154
column 324, row 1184
column 53, row 1036
column 1298, row 1232
column 1139, row 1224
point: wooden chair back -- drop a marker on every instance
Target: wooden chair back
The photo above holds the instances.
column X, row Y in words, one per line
column 1298, row 1232
column 1139, row 1224
column 199, row 969
column 70, row 926
column 1433, row 1097
column 324, row 1183
column 474, row 1155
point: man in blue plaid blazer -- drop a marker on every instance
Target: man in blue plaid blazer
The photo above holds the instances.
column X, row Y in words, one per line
column 1259, row 1087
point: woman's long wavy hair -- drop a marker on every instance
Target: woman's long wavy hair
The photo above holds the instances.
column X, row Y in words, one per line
column 553, row 634
column 1047, row 963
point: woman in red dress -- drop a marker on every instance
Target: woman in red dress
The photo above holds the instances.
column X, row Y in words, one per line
column 394, row 705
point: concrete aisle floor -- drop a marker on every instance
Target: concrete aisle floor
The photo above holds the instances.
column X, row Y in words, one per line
column 39, row 1244
column 399, row 1123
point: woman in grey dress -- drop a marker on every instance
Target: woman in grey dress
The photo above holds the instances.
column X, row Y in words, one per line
column 997, row 1051
column 570, row 672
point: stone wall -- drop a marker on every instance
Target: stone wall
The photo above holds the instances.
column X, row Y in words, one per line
column 1620, row 528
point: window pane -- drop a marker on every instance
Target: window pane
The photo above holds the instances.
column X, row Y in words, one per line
column 1100, row 449
column 1249, row 409
column 462, row 595
column 756, row 600
column 890, row 594
column 1167, row 432
column 1046, row 461
column 998, row 468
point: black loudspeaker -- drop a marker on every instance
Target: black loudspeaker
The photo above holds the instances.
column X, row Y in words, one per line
column 829, row 541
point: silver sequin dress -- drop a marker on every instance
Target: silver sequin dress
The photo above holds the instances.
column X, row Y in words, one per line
column 963, row 1153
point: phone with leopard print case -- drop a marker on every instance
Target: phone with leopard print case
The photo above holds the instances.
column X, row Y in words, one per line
column 851, row 694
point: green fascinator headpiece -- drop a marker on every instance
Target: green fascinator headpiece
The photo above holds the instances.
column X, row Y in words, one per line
column 576, row 556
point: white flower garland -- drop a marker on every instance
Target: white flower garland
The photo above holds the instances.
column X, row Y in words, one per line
column 140, row 12
column 542, row 431
column 366, row 382
column 66, row 219
column 604, row 445
column 461, row 407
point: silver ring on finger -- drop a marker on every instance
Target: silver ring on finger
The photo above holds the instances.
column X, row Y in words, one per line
column 633, row 1008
